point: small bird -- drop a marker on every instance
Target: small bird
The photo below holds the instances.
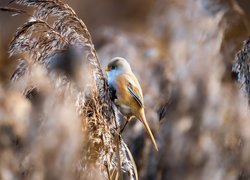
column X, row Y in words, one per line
column 126, row 92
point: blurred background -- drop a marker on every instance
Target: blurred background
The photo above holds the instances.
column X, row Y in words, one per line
column 182, row 53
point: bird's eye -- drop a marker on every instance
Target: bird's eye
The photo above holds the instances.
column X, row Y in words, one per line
column 112, row 67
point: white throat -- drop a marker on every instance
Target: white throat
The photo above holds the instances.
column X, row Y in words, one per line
column 112, row 75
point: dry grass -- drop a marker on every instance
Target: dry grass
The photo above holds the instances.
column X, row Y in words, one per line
column 60, row 74
column 182, row 53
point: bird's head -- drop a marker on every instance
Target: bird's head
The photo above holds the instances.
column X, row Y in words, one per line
column 118, row 65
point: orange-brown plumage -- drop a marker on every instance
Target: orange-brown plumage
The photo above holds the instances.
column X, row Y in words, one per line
column 129, row 97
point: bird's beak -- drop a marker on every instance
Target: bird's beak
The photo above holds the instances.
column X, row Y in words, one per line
column 107, row 69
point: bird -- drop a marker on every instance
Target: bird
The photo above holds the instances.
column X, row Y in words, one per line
column 126, row 92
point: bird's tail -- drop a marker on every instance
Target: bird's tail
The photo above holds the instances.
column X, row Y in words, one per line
column 144, row 121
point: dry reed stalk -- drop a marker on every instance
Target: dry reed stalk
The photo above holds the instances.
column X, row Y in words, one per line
column 55, row 38
column 242, row 67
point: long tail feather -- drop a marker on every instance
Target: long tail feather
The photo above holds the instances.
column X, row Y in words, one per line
column 144, row 121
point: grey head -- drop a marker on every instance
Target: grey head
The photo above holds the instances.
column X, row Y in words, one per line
column 118, row 65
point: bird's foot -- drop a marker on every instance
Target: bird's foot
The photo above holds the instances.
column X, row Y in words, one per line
column 123, row 127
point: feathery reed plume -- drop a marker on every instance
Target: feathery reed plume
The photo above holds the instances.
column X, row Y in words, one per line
column 57, row 41
column 242, row 67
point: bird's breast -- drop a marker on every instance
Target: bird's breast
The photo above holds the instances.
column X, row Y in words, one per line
column 123, row 98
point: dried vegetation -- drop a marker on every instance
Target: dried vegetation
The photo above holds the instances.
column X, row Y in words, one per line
column 60, row 74
column 182, row 53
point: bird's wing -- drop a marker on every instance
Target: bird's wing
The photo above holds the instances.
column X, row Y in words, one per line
column 136, row 93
